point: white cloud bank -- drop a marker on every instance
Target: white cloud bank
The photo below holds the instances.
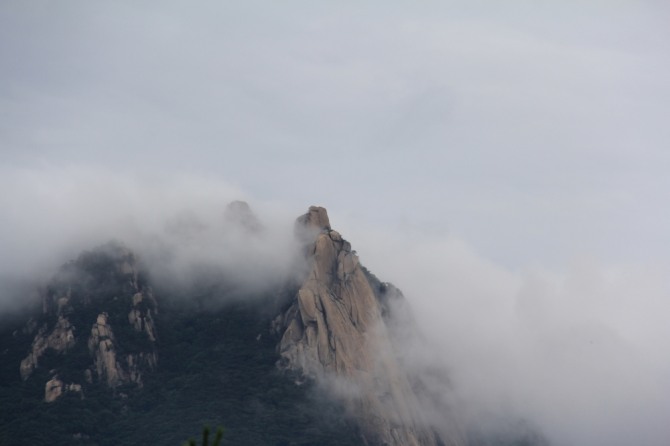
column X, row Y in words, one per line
column 537, row 131
column 580, row 353
column 177, row 223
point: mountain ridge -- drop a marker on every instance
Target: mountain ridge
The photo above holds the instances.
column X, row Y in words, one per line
column 322, row 359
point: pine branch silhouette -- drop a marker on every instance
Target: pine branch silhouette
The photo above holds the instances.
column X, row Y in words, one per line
column 205, row 438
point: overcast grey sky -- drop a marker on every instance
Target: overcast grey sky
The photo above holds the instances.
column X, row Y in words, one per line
column 537, row 132
column 506, row 163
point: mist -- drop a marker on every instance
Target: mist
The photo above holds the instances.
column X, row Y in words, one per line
column 576, row 354
column 182, row 228
column 505, row 165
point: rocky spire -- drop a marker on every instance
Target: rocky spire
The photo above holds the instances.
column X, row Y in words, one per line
column 334, row 332
column 316, row 217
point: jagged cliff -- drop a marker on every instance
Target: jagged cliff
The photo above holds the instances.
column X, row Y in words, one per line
column 335, row 332
column 338, row 328
column 88, row 289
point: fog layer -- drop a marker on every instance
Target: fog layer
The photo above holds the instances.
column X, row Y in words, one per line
column 536, row 132
column 579, row 353
column 180, row 226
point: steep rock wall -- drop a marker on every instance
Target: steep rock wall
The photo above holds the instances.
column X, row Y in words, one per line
column 334, row 331
column 106, row 278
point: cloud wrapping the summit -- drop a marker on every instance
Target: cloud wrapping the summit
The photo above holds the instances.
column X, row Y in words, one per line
column 579, row 353
column 176, row 223
column 534, row 132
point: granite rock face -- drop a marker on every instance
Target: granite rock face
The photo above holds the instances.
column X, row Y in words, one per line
column 334, row 331
column 106, row 278
column 55, row 388
column 343, row 328
column 108, row 364
column 59, row 339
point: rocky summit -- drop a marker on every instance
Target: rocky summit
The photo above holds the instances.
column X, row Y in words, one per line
column 112, row 357
column 334, row 331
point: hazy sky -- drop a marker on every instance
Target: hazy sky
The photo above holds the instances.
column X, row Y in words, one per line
column 537, row 132
column 512, row 156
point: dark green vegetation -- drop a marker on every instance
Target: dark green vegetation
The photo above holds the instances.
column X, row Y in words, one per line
column 205, row 438
column 216, row 366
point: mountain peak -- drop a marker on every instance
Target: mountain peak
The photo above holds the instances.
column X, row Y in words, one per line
column 334, row 324
column 334, row 332
column 316, row 217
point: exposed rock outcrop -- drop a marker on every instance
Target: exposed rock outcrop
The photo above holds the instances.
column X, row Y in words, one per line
column 55, row 388
column 107, row 362
column 339, row 326
column 141, row 314
column 102, row 346
column 334, row 331
column 59, row 339
column 107, row 281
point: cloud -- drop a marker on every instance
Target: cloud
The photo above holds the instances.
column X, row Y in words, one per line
column 515, row 137
column 176, row 223
column 578, row 353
